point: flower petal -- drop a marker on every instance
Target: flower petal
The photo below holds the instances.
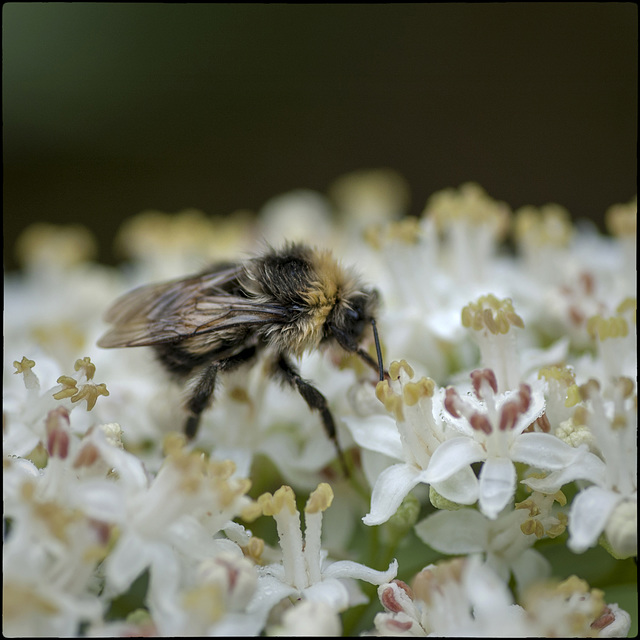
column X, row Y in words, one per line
column 529, row 567
column 488, row 594
column 269, row 592
column 376, row 433
column 350, row 569
column 587, row 466
column 590, row 511
column 455, row 532
column 331, row 591
column 451, row 456
column 497, row 485
column 461, row 487
column 128, row 559
column 544, row 451
column 391, row 487
column 535, row 358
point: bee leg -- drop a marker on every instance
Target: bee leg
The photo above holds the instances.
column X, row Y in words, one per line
column 204, row 387
column 314, row 399
column 200, row 399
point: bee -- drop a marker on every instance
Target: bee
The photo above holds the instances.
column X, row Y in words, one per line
column 282, row 303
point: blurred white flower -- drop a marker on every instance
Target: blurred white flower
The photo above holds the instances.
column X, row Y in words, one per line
column 464, row 597
column 505, row 542
column 169, row 521
column 454, row 598
column 571, row 609
column 308, row 618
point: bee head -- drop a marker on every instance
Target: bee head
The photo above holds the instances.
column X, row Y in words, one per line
column 348, row 321
column 324, row 300
column 350, row 317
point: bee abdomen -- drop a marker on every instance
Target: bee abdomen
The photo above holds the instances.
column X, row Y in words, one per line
column 178, row 361
column 181, row 358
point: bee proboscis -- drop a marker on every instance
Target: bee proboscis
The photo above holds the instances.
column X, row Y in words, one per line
column 284, row 302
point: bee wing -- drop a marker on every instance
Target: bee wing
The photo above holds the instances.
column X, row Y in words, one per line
column 173, row 311
column 149, row 301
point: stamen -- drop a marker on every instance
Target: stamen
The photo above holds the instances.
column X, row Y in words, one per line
column 56, row 425
column 318, row 502
column 88, row 368
column 413, row 392
column 480, row 422
column 451, row 399
column 87, row 456
column 388, row 597
column 396, row 367
column 549, row 225
column 48, row 245
column 24, row 366
column 480, row 376
column 603, row 328
column 605, row 619
column 509, row 415
column 58, row 443
column 524, row 395
column 392, row 401
column 491, row 313
column 543, row 423
column 320, row 499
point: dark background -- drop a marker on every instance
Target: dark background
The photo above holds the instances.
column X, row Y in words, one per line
column 110, row 109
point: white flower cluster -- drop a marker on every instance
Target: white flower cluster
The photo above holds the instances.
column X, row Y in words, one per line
column 492, row 476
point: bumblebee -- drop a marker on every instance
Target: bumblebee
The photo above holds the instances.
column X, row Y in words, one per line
column 284, row 303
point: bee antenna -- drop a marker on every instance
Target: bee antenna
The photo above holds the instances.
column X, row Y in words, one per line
column 378, row 350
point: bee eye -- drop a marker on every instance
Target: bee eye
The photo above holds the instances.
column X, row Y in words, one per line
column 354, row 321
column 352, row 314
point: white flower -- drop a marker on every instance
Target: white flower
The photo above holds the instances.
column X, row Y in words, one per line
column 308, row 618
column 473, row 223
column 27, row 411
column 432, row 265
column 494, row 325
column 305, row 572
column 62, row 519
column 572, row 272
column 44, row 595
column 253, row 414
column 101, row 496
column 300, row 216
column 369, row 195
column 543, row 235
column 610, row 503
column 559, row 382
column 616, row 342
column 491, row 428
column 571, row 609
column 214, row 602
column 405, row 269
column 412, row 437
column 53, row 305
column 168, row 245
column 169, row 523
column 455, row 598
column 464, row 597
column 622, row 222
column 53, row 541
column 506, row 547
